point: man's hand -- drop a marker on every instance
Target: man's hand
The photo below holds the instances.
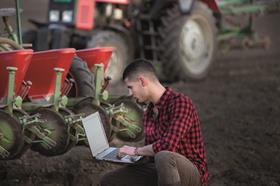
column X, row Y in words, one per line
column 126, row 150
column 139, row 151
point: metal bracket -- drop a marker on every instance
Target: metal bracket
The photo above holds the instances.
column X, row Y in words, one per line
column 128, row 123
column 74, row 121
column 48, row 143
column 11, row 88
column 4, row 153
column 28, row 120
column 80, row 134
column 73, row 118
column 57, row 92
column 113, row 110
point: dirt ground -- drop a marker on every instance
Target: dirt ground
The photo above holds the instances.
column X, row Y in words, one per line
column 239, row 107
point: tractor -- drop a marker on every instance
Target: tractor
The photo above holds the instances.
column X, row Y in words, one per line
column 179, row 36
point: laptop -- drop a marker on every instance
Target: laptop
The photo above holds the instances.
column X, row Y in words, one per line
column 98, row 142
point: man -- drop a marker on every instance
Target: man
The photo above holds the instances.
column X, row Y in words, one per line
column 173, row 139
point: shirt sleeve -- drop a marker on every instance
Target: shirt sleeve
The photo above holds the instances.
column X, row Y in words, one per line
column 181, row 121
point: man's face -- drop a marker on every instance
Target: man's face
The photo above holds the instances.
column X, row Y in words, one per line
column 137, row 89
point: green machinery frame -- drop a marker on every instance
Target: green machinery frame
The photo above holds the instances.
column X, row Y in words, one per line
column 231, row 29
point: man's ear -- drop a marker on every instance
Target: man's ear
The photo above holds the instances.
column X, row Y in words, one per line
column 144, row 81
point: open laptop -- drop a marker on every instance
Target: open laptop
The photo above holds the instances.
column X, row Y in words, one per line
column 98, row 142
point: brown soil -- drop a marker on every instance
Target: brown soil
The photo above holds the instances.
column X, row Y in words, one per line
column 239, row 106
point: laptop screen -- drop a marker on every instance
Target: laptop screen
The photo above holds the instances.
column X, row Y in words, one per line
column 95, row 133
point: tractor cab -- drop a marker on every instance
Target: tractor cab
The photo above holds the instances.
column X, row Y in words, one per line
column 72, row 13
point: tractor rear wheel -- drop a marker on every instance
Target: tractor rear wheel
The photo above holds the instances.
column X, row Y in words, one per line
column 83, row 79
column 122, row 52
column 189, row 42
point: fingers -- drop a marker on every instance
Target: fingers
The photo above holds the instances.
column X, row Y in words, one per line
column 126, row 150
column 120, row 154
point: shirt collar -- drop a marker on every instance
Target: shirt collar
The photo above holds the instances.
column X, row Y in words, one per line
column 164, row 97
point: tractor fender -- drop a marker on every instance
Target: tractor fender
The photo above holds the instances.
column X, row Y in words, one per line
column 185, row 6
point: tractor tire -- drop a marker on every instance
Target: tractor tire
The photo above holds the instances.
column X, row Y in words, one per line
column 83, row 79
column 122, row 52
column 188, row 42
column 8, row 44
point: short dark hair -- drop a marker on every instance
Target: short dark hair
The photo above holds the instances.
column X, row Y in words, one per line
column 139, row 66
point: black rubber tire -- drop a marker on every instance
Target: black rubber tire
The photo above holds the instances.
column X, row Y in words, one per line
column 23, row 147
column 17, row 131
column 54, row 122
column 84, row 85
column 121, row 56
column 12, row 45
column 194, row 59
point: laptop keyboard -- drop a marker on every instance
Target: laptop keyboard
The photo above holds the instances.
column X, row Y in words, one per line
column 112, row 155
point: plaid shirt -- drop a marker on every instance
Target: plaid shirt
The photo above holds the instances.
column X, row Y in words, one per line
column 172, row 124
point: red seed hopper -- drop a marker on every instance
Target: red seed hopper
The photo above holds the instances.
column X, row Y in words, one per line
column 94, row 56
column 19, row 59
column 41, row 71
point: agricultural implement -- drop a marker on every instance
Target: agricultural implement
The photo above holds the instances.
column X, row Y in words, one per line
column 15, row 124
column 125, row 115
column 46, row 94
column 36, row 112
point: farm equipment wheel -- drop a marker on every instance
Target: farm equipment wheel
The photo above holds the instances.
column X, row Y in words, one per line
column 11, row 135
column 135, row 115
column 58, row 132
column 66, row 112
column 87, row 107
column 8, row 44
column 121, row 56
column 83, row 79
column 23, row 147
column 188, row 42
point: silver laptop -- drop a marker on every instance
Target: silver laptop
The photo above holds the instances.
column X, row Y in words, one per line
column 98, row 142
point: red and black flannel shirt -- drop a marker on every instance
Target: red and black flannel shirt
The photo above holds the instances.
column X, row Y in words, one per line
column 172, row 124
